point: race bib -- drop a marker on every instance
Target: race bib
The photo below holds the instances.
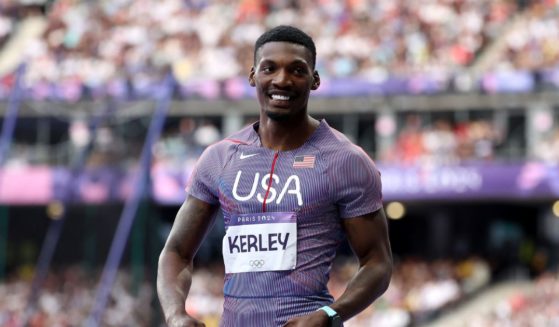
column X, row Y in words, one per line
column 260, row 242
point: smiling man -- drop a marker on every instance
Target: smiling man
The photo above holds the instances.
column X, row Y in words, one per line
column 291, row 189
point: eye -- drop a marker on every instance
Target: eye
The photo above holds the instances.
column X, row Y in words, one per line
column 299, row 70
column 266, row 69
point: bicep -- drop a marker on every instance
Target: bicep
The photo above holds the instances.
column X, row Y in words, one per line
column 193, row 220
column 368, row 237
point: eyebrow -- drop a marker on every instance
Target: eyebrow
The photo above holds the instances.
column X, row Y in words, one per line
column 294, row 62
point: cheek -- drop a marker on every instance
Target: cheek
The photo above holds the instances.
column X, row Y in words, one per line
column 260, row 92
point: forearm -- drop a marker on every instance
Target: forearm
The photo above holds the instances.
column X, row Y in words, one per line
column 369, row 283
column 173, row 283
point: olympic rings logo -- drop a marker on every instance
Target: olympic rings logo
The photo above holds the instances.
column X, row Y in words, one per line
column 256, row 263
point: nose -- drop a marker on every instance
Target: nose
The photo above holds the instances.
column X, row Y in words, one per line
column 282, row 78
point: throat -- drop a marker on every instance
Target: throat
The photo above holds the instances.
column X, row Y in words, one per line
column 280, row 136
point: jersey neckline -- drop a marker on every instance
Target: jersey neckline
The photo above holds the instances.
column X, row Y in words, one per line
column 255, row 138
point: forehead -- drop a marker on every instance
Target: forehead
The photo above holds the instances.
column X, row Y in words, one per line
column 284, row 51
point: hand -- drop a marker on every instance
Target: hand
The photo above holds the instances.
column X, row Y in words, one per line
column 316, row 319
column 184, row 321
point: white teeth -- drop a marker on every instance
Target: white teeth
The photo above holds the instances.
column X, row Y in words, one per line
column 280, row 97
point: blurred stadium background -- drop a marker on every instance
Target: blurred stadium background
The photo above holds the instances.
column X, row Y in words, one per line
column 107, row 104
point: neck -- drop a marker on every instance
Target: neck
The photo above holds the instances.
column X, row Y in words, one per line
column 285, row 135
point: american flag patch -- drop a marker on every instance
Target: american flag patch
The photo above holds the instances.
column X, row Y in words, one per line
column 304, row 162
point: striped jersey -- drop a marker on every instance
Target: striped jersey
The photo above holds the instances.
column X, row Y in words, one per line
column 325, row 180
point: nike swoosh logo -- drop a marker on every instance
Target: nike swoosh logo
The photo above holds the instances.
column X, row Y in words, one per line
column 244, row 156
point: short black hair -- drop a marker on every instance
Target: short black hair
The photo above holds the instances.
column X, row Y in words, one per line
column 285, row 33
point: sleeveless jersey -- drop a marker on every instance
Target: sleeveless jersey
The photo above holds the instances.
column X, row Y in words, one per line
column 325, row 180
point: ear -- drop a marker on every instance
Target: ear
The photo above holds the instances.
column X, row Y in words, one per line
column 316, row 82
column 251, row 80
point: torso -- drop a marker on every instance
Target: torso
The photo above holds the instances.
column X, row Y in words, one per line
column 302, row 183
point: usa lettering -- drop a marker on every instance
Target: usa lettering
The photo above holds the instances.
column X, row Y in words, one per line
column 291, row 187
column 257, row 243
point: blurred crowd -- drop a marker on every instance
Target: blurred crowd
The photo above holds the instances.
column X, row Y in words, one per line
column 114, row 145
column 91, row 47
column 548, row 149
column 538, row 306
column 444, row 143
column 7, row 23
column 419, row 291
column 417, row 141
column 68, row 296
column 532, row 45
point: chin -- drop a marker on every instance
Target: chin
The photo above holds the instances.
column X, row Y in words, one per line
column 277, row 116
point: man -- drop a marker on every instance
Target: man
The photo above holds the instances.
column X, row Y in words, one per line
column 291, row 189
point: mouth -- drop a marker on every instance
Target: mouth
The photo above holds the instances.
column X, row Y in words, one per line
column 280, row 99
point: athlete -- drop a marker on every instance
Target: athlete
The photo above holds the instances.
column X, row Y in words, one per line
column 291, row 189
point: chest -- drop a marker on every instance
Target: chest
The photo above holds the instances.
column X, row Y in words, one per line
column 258, row 178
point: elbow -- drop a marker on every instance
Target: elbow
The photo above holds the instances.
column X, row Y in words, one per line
column 163, row 259
column 168, row 254
column 380, row 274
column 172, row 255
column 386, row 276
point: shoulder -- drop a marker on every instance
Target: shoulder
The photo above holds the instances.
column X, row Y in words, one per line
column 246, row 135
column 224, row 148
column 341, row 151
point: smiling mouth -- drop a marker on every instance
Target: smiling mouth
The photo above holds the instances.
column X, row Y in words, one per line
column 279, row 97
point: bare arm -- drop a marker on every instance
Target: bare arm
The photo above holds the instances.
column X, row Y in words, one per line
column 174, row 274
column 368, row 236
